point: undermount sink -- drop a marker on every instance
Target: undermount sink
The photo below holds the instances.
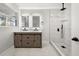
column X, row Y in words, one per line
column 30, row 30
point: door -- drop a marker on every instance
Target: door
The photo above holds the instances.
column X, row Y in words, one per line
column 37, row 41
column 17, row 40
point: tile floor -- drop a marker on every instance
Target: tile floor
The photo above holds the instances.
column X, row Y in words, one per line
column 46, row 50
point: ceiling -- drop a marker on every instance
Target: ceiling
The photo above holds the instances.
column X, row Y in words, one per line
column 39, row 5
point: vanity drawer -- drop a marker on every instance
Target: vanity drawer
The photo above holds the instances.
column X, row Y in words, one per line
column 38, row 35
column 27, row 37
column 27, row 43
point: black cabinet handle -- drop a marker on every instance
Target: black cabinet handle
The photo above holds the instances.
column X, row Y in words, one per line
column 27, row 37
column 28, row 43
column 58, row 29
column 21, row 40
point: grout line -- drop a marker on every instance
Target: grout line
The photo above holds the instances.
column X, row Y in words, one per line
column 49, row 24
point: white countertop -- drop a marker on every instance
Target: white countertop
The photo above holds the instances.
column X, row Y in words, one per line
column 28, row 31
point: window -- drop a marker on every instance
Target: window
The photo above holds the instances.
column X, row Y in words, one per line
column 11, row 21
column 2, row 20
column 36, row 21
column 8, row 20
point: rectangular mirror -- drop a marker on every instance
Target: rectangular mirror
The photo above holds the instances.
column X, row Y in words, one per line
column 36, row 21
column 25, row 21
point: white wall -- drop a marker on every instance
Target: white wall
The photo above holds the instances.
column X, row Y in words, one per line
column 75, row 27
column 12, row 6
column 6, row 32
column 39, row 5
column 6, row 37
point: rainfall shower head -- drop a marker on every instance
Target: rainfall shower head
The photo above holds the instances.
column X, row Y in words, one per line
column 63, row 8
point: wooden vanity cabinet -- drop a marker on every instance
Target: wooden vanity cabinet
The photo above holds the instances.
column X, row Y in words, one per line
column 27, row 40
column 17, row 40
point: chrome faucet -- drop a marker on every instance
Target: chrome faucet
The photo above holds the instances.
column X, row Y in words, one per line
column 35, row 29
column 24, row 29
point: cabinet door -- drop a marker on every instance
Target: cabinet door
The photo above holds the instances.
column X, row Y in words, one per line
column 27, row 41
column 37, row 41
column 17, row 41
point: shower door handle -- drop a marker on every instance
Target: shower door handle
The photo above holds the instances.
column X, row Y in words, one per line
column 58, row 29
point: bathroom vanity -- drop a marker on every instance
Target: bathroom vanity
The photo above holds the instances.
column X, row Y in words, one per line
column 27, row 39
